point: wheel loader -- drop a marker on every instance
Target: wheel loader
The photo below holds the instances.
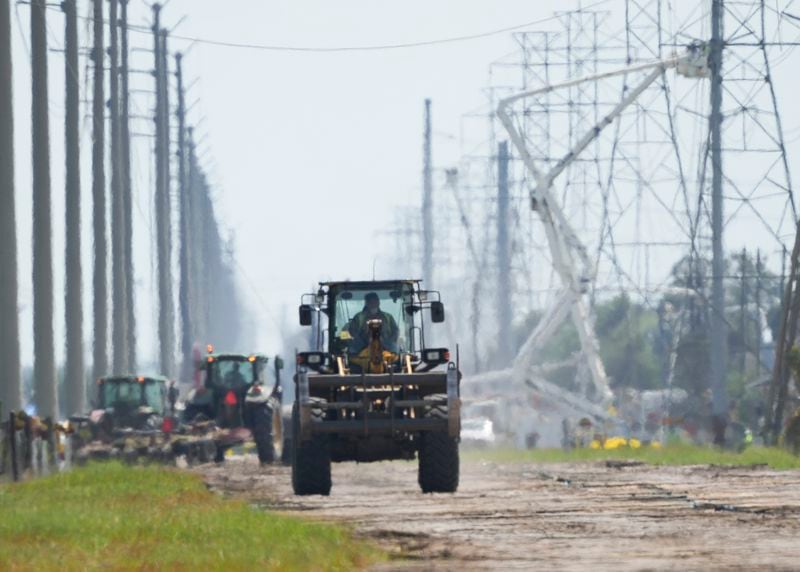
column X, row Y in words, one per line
column 372, row 389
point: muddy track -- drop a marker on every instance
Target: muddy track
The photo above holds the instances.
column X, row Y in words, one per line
column 615, row 516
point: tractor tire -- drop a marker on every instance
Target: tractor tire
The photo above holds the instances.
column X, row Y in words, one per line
column 288, row 443
column 262, row 418
column 194, row 413
column 438, row 455
column 219, row 454
column 311, row 460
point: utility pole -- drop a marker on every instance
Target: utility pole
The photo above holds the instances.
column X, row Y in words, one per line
column 99, row 280
column 504, row 292
column 184, row 295
column 790, row 314
column 743, row 314
column 73, row 379
column 169, row 350
column 758, row 313
column 119, row 331
column 10, row 398
column 719, row 394
column 162, row 199
column 197, row 261
column 44, row 370
column 127, row 186
column 427, row 202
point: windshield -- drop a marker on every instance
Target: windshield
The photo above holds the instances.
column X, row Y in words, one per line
column 354, row 308
column 132, row 394
column 154, row 396
column 116, row 393
column 232, row 374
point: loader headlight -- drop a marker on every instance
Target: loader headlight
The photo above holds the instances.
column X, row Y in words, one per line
column 311, row 359
column 439, row 355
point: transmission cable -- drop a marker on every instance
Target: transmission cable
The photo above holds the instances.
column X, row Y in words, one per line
column 367, row 48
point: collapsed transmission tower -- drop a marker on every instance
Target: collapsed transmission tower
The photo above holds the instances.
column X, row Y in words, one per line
column 568, row 253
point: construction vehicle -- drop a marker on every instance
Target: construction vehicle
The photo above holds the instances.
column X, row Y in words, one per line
column 129, row 415
column 371, row 389
column 235, row 396
column 129, row 402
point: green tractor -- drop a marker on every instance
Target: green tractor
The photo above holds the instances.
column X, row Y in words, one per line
column 129, row 415
column 234, row 394
column 126, row 402
column 371, row 389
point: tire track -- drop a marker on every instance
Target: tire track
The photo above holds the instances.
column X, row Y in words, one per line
column 566, row 516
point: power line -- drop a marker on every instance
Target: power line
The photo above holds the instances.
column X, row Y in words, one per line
column 368, row 48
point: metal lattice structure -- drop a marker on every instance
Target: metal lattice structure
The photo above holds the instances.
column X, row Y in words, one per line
column 639, row 195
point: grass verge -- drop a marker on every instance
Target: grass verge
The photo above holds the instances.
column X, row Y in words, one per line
column 109, row 516
column 669, row 455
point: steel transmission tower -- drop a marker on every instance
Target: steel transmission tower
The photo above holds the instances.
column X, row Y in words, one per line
column 743, row 157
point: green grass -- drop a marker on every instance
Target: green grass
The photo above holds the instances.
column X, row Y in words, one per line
column 669, row 455
column 108, row 516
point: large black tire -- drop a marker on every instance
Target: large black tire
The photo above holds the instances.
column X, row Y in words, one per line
column 311, row 460
column 438, row 455
column 261, row 419
column 288, row 443
column 194, row 413
column 219, row 454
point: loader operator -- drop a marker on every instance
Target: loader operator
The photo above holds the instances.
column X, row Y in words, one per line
column 357, row 327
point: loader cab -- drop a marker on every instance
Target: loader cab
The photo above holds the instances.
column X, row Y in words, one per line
column 349, row 306
column 337, row 307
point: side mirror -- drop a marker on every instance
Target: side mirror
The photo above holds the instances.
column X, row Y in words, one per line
column 437, row 312
column 305, row 315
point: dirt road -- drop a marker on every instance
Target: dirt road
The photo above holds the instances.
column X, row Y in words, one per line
column 552, row 517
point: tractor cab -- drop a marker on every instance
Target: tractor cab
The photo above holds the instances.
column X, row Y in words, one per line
column 228, row 378
column 235, row 395
column 128, row 401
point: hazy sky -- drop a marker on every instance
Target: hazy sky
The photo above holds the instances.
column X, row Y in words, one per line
column 309, row 152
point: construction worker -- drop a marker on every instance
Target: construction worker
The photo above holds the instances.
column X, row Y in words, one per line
column 234, row 378
column 357, row 327
column 172, row 396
